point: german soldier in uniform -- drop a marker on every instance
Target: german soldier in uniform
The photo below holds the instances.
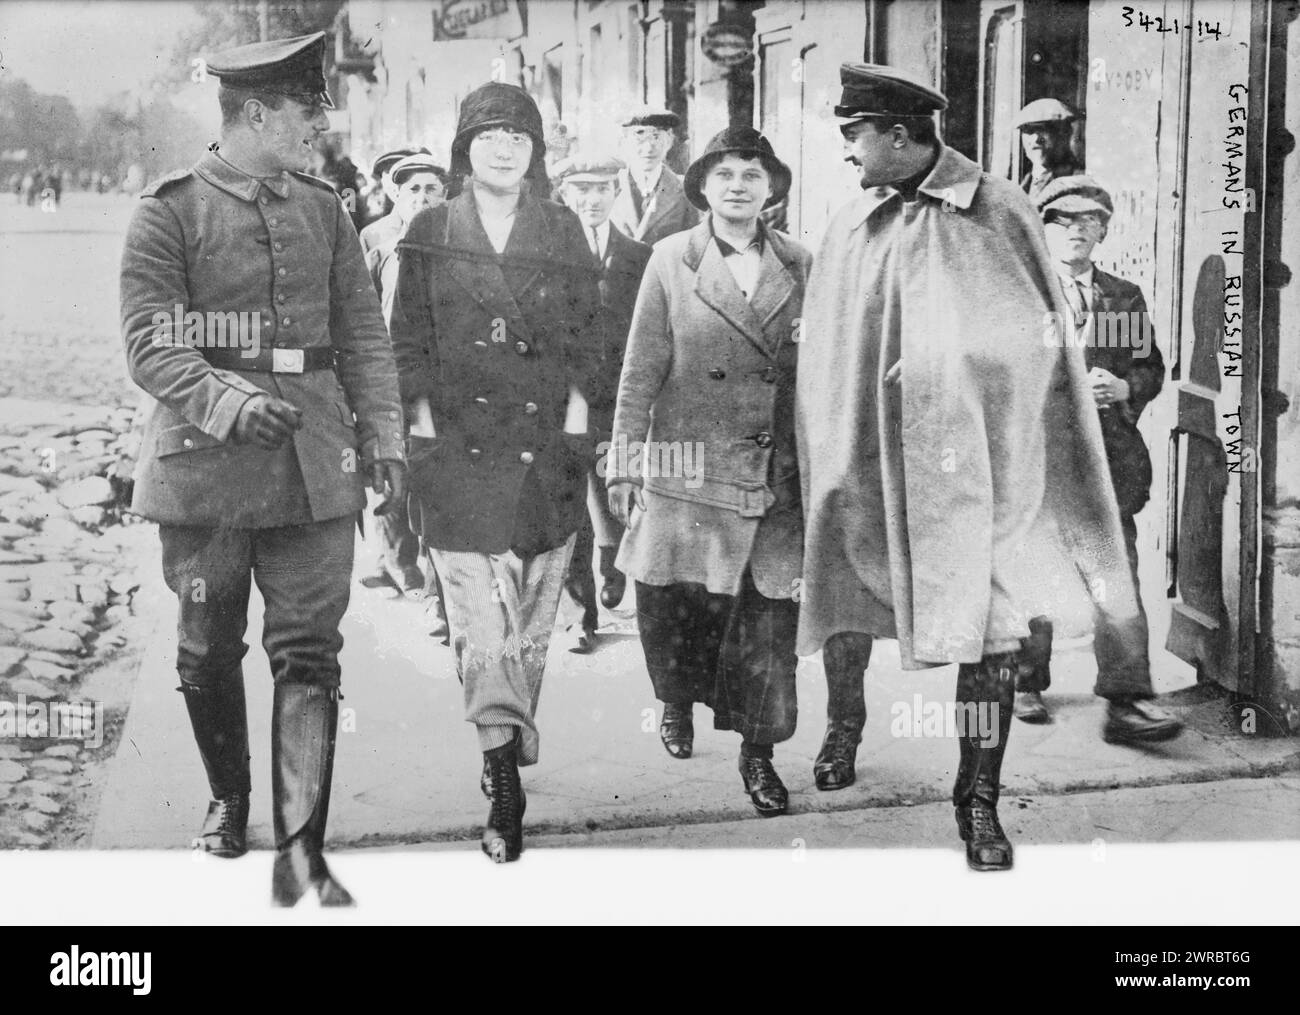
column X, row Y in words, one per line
column 589, row 187
column 923, row 333
column 253, row 453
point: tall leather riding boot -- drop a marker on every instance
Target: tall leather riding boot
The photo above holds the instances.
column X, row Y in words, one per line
column 845, row 657
column 989, row 686
column 304, row 725
column 219, row 718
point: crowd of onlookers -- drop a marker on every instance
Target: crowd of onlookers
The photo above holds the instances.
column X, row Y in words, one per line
column 32, row 186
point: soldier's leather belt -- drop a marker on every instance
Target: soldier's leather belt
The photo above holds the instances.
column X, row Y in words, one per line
column 273, row 361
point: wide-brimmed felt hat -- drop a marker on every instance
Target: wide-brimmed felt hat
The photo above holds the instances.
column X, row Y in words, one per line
column 747, row 143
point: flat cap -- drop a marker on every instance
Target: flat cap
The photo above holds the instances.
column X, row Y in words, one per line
column 588, row 169
column 418, row 163
column 388, row 160
column 291, row 67
column 1074, row 195
column 873, row 89
column 653, row 116
column 1044, row 111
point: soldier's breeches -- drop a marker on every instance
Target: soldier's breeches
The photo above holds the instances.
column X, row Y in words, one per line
column 303, row 573
column 500, row 609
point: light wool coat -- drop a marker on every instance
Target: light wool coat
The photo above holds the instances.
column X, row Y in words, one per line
column 712, row 373
column 950, row 509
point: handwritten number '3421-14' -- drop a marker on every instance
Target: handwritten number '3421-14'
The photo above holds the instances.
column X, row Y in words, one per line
column 1146, row 23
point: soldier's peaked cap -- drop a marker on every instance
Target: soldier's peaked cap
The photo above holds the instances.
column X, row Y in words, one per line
column 291, row 67
column 873, row 89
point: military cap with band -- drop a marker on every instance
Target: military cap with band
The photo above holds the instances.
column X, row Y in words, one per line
column 417, row 163
column 873, row 89
column 1075, row 195
column 292, row 67
column 653, row 116
column 588, row 169
column 1044, row 111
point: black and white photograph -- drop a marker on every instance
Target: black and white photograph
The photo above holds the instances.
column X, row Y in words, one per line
column 651, row 462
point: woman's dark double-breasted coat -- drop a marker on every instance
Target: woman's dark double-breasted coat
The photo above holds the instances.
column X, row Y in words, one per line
column 495, row 341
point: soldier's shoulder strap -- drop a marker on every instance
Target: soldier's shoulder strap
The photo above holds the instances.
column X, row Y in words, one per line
column 170, row 180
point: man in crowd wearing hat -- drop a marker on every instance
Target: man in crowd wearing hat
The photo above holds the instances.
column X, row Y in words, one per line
column 589, row 186
column 650, row 203
column 385, row 230
column 1045, row 127
column 254, row 450
column 1125, row 371
column 417, row 182
column 929, row 405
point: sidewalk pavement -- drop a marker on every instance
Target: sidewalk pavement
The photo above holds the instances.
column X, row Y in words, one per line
column 408, row 765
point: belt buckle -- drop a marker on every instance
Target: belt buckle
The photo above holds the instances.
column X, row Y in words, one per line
column 287, row 361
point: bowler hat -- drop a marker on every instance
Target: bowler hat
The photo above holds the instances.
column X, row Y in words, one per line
column 1075, row 195
column 746, row 142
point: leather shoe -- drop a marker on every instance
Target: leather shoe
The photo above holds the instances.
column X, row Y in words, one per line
column 583, row 640
column 677, row 729
column 1138, row 722
column 225, row 828
column 410, row 579
column 1029, row 707
column 987, row 847
column 764, row 786
column 834, row 767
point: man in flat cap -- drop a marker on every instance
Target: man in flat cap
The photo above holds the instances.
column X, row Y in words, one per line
column 650, row 203
column 387, row 227
column 277, row 399
column 929, row 406
column 1125, row 372
column 590, row 186
column 418, row 182
column 1045, row 127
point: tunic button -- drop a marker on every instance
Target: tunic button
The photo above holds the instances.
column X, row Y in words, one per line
column 481, row 400
column 717, row 374
column 526, row 458
column 282, row 272
column 481, row 344
column 475, row 453
column 279, row 298
column 264, row 199
column 521, row 348
column 392, row 415
column 769, row 375
column 266, row 321
column 279, row 245
column 288, row 321
column 189, row 443
column 530, row 408
column 763, row 439
column 272, row 221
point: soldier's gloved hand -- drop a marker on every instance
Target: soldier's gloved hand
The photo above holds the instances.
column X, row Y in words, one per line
column 266, row 422
column 621, row 497
column 388, row 478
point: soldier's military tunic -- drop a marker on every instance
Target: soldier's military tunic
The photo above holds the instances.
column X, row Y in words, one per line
column 277, row 260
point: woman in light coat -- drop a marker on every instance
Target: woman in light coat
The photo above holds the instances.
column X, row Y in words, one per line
column 703, row 467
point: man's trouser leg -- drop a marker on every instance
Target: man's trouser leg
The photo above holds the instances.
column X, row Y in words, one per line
column 303, row 573
column 1123, row 662
column 985, row 693
column 501, row 609
column 845, row 657
column 208, row 569
column 681, row 628
column 580, row 581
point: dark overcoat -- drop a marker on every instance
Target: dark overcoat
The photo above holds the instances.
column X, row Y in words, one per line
column 495, row 341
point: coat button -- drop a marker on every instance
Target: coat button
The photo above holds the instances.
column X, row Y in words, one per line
column 530, row 408
column 280, row 297
column 526, row 458
column 480, row 400
column 481, row 344
column 264, row 199
column 475, row 453
column 763, row 439
column 279, row 245
column 521, row 348
column 188, row 443
column 288, row 321
column 282, row 272
column 717, row 374
column 769, row 375
column 272, row 222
